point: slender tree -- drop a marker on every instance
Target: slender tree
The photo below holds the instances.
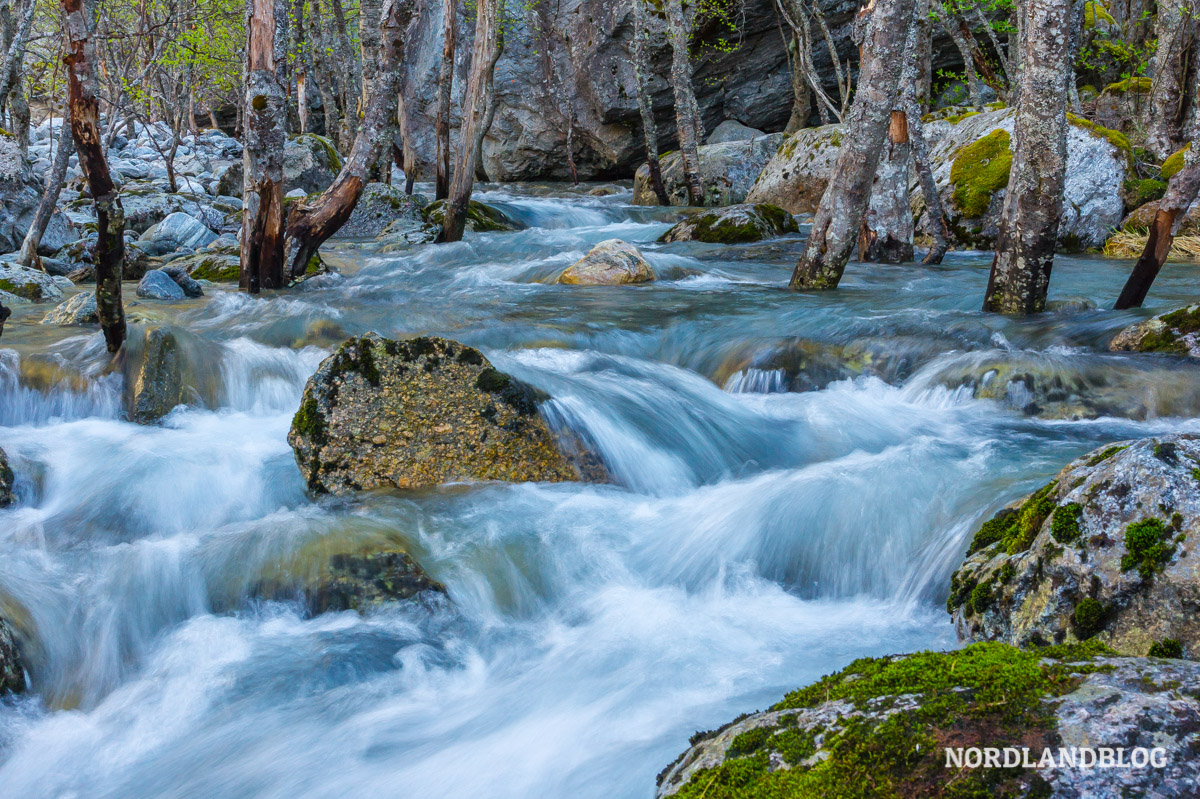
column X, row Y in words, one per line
column 1028, row 232
column 887, row 227
column 641, row 66
column 1173, row 28
column 687, row 112
column 45, row 210
column 1181, row 193
column 407, row 152
column 85, row 128
column 445, row 87
column 474, row 105
column 835, row 226
column 11, row 73
column 310, row 224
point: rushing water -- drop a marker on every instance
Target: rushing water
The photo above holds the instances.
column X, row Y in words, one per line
column 756, row 537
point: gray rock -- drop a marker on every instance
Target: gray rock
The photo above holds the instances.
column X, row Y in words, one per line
column 12, row 672
column 379, row 206
column 736, row 224
column 182, row 229
column 1103, row 551
column 154, row 374
column 310, row 163
column 79, row 310
column 1172, row 333
column 182, row 279
column 404, row 233
column 158, row 285
column 732, row 130
column 20, row 194
column 798, row 172
column 6, row 499
column 727, row 172
column 481, row 218
column 609, row 263
column 30, row 284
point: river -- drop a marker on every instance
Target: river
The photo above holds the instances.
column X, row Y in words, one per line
column 755, row 538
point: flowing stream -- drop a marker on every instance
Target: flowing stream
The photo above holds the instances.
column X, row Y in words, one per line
column 756, row 537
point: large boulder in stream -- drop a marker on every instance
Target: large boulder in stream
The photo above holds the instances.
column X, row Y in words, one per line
column 165, row 367
column 12, row 673
column 20, row 193
column 6, row 481
column 894, row 727
column 310, row 163
column 1173, row 333
column 30, row 284
column 737, row 224
column 420, row 412
column 481, row 218
column 1104, row 551
column 796, row 175
column 727, row 171
column 610, row 263
column 381, row 206
column 79, row 310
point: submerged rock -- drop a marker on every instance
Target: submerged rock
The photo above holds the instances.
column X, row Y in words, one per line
column 481, row 218
column 727, row 171
column 79, row 310
column 886, row 724
column 1103, row 551
column 736, row 224
column 1174, row 333
column 418, row 413
column 609, row 263
column 154, row 381
column 12, row 673
column 6, row 481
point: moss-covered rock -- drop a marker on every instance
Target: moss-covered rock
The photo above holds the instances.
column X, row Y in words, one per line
column 1173, row 333
column 211, row 266
column 481, row 218
column 882, row 728
column 610, row 263
column 29, row 284
column 1102, row 551
column 1138, row 192
column 796, row 175
column 360, row 580
column 980, row 170
column 1174, row 162
column 736, row 224
column 419, row 412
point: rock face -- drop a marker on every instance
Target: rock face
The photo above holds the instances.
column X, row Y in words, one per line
column 971, row 162
column 12, row 673
column 20, row 193
column 6, row 481
column 889, row 724
column 418, row 413
column 736, row 224
column 609, row 263
column 310, row 163
column 380, row 206
column 727, row 172
column 1174, row 333
column 797, row 174
column 1104, row 552
column 30, row 284
column 79, row 310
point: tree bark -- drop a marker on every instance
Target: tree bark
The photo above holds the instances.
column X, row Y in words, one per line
column 1028, row 232
column 408, row 152
column 85, row 128
column 686, row 110
column 835, row 226
column 641, row 65
column 489, row 115
column 483, row 60
column 323, row 71
column 266, row 115
column 801, row 96
column 445, row 86
column 1165, row 109
column 887, row 228
column 311, row 224
column 934, row 211
column 1181, row 193
column 950, row 24
column 45, row 210
column 348, row 78
column 14, row 56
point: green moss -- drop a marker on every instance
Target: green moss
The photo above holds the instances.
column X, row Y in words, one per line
column 1147, row 547
column 980, row 170
column 981, row 597
column 1106, row 454
column 1140, row 192
column 483, row 218
column 1137, row 85
column 1166, row 648
column 1113, row 137
column 1185, row 320
column 1089, row 617
column 954, row 120
column 309, row 422
column 259, row 103
column 333, row 157
column 1064, row 526
column 993, row 530
column 1175, row 162
column 1005, row 573
column 29, row 291
column 218, row 270
column 1015, row 529
column 1093, row 11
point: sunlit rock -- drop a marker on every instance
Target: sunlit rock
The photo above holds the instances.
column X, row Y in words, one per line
column 609, row 263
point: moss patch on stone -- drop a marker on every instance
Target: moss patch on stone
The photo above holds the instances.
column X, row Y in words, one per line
column 1140, row 192
column 1113, row 137
column 1175, row 162
column 1148, row 546
column 980, row 170
column 1016, row 528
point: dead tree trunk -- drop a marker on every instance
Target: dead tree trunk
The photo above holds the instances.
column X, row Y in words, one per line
column 85, row 128
column 835, row 226
column 1164, row 112
column 641, row 65
column 266, row 115
column 686, row 110
column 370, row 24
column 801, row 96
column 1181, row 193
column 1028, row 231
column 483, row 60
column 311, row 224
column 323, row 71
column 441, row 187
column 934, row 211
column 887, row 228
column 45, row 210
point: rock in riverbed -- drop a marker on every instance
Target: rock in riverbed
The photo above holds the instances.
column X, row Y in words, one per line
column 79, row 310
column 1174, row 333
column 737, row 224
column 359, row 580
column 6, row 481
column 12, row 674
column 609, row 263
column 1103, row 551
column 419, row 413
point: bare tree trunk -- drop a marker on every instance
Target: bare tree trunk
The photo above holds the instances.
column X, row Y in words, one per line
column 1172, row 208
column 302, row 61
column 887, row 227
column 489, row 115
column 348, row 78
column 408, row 152
column 323, row 71
column 1028, row 231
column 801, row 96
column 641, row 65
column 311, row 224
column 934, row 211
column 441, row 188
column 19, row 109
column 1164, row 112
column 950, row 24
column 45, row 210
column 483, row 60
column 85, row 128
column 16, row 50
column 835, row 226
column 686, row 110
column 266, row 115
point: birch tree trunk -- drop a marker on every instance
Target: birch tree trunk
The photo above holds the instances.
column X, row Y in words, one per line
column 311, row 224
column 266, row 115
column 84, row 108
column 950, row 24
column 445, row 86
column 489, row 114
column 687, row 116
column 641, row 66
column 835, row 226
column 887, row 228
column 45, row 210
column 1028, row 232
column 483, row 60
column 1164, row 111
column 1172, row 208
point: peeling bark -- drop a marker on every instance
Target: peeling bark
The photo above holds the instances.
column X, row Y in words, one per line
column 45, row 210
column 80, row 60
column 836, row 224
column 887, row 228
column 445, row 87
column 641, row 65
column 10, row 75
column 1028, row 232
column 687, row 112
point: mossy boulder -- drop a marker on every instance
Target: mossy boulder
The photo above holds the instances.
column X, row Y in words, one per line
column 796, row 175
column 1104, row 551
column 420, row 412
column 1138, row 192
column 79, row 310
column 737, row 224
column 882, row 727
column 1174, row 162
column 12, row 672
column 379, row 206
column 481, row 217
column 6, row 481
column 1173, row 333
column 29, row 284
column 727, row 172
column 310, row 163
column 211, row 266
column 610, row 263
